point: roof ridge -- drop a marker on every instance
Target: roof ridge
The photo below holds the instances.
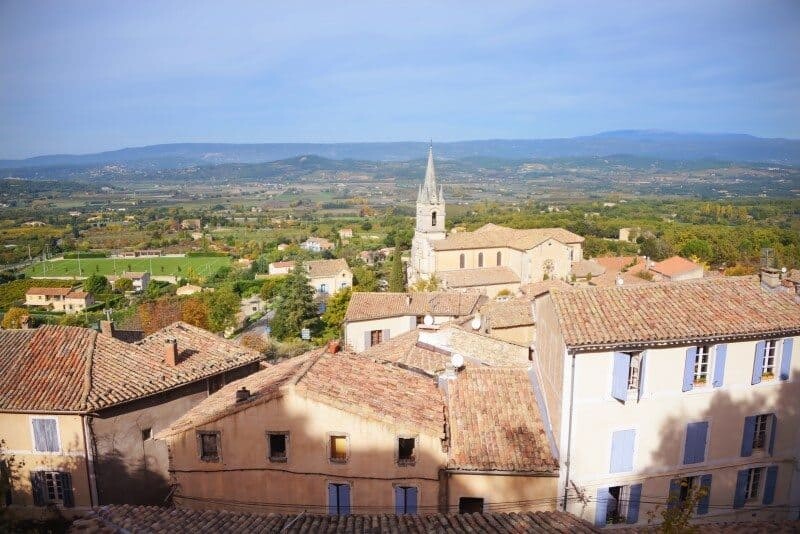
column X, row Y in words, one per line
column 306, row 367
column 88, row 368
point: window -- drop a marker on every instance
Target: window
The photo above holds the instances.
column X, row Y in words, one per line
column 694, row 451
column 277, row 442
column 701, row 359
column 215, row 383
column 342, row 285
column 627, row 378
column 338, row 499
column 420, row 319
column 634, row 369
column 462, row 261
column 52, row 487
column 45, row 434
column 338, row 448
column 622, row 444
column 470, row 505
column 480, row 259
column 617, row 505
column 433, row 218
column 208, row 444
column 405, row 500
column 323, row 288
column 753, row 483
column 147, row 433
column 768, row 358
column 375, row 337
column 499, row 258
column 405, row 451
column 760, row 433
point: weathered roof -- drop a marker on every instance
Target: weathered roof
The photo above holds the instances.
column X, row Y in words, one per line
column 494, row 236
column 351, row 383
column 793, row 276
column 786, row 526
column 496, row 424
column 484, row 276
column 49, row 291
column 78, row 294
column 618, row 263
column 318, row 268
column 150, row 519
column 537, row 289
column 674, row 266
column 72, row 369
column 674, row 312
column 366, row 306
column 508, row 314
column 584, row 268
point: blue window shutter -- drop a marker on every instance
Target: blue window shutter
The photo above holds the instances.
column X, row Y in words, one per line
column 642, row 376
column 688, row 368
column 367, row 340
column 695, row 449
column 721, row 353
column 66, row 485
column 674, row 493
column 399, row 500
column 786, row 358
column 333, row 500
column 344, row 499
column 411, row 500
column 619, row 384
column 37, row 485
column 758, row 363
column 601, row 506
column 773, row 430
column 769, row 484
column 741, row 487
column 633, row 503
column 622, row 451
column 748, row 435
column 702, row 504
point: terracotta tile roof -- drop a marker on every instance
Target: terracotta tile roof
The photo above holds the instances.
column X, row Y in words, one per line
column 365, row 306
column 484, row 276
column 537, row 289
column 77, row 294
column 583, row 268
column 787, row 526
column 494, row 236
column 618, row 263
column 61, row 368
column 49, row 291
column 351, row 383
column 674, row 312
column 674, row 266
column 116, row 519
column 495, row 423
column 793, row 276
column 318, row 268
column 508, row 314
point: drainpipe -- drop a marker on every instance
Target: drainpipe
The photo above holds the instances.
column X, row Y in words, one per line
column 569, row 428
column 88, row 446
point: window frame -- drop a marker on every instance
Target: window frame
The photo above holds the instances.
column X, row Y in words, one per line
column 768, row 358
column 480, row 259
column 33, row 434
column 200, row 449
column 404, row 462
column 702, row 366
column 329, row 447
column 755, row 479
column 405, row 487
column 147, row 433
column 761, row 432
column 271, row 457
column 462, row 261
column 635, row 382
column 55, row 477
column 340, row 484
column 372, row 334
column 499, row 258
column 622, row 502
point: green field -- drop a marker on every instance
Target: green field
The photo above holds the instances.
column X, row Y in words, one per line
column 106, row 266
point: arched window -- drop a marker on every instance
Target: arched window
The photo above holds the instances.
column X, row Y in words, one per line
column 480, row 259
column 461, row 261
column 499, row 257
column 433, row 219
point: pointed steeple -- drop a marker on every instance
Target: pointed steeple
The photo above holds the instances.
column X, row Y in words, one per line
column 429, row 192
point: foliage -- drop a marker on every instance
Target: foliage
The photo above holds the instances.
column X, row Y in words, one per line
column 740, row 270
column 676, row 517
column 13, row 319
column 206, row 254
column 427, row 285
column 272, row 287
column 195, row 311
column 223, row 305
column 699, row 248
column 84, row 255
column 75, row 319
column 334, row 313
column 123, row 284
column 397, row 278
column 96, row 284
column 656, row 249
column 155, row 315
column 364, row 279
column 295, row 308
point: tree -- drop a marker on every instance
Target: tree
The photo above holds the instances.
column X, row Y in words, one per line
column 13, row 318
column 295, row 309
column 195, row 312
column 397, row 279
column 96, row 284
column 271, row 287
column 123, row 284
column 677, row 516
column 223, row 304
column 699, row 248
column 656, row 248
column 334, row 313
column 364, row 279
column 426, row 285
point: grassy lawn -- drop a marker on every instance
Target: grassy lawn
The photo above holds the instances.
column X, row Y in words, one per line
column 105, row 266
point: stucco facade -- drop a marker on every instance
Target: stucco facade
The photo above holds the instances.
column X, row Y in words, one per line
column 357, row 333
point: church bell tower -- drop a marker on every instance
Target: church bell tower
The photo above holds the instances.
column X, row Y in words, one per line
column 429, row 225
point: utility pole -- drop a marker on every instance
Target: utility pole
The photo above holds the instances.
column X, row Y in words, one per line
column 80, row 271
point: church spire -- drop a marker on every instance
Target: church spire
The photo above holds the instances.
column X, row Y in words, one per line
column 429, row 192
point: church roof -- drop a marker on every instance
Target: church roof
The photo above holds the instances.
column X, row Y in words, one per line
column 495, row 236
column 428, row 192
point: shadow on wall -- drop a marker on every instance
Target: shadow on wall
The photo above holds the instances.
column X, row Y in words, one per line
column 120, row 483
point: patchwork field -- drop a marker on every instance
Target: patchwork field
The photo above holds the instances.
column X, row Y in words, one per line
column 109, row 266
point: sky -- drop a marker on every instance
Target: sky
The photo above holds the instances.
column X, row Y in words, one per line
column 88, row 76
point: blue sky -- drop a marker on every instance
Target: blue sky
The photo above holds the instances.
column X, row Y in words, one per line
column 85, row 76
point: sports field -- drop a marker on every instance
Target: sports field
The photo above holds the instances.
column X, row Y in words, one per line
column 106, row 266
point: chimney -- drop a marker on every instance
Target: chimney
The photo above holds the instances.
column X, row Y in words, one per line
column 107, row 328
column 333, row 346
column 171, row 352
column 408, row 300
column 242, row 394
column 770, row 277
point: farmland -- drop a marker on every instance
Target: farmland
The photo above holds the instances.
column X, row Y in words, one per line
column 158, row 266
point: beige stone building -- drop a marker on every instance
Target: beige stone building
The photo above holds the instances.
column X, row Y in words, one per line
column 328, row 276
column 675, row 269
column 61, row 299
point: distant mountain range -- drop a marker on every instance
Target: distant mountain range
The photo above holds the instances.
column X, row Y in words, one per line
column 643, row 143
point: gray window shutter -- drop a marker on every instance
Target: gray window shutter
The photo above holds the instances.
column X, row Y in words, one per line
column 642, row 375
column 411, row 500
column 601, row 506
column 37, row 485
column 748, row 434
column 619, row 382
column 741, row 488
column 333, row 500
column 772, row 433
column 702, row 504
column 622, row 451
column 721, row 353
column 674, row 493
column 695, row 448
column 635, row 497
column 367, row 339
column 385, row 335
column 399, row 500
column 45, row 435
column 758, row 363
column 66, row 485
column 688, row 368
column 769, row 484
column 344, row 499
column 786, row 358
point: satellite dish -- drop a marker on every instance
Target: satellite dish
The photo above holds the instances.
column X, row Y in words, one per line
column 457, row 360
column 428, row 320
column 783, row 270
column 620, row 281
column 476, row 323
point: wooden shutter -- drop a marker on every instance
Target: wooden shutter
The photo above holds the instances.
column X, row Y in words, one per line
column 333, row 499
column 674, row 493
column 702, row 504
column 399, row 500
column 741, row 488
column 38, row 488
column 688, row 368
column 748, row 435
column 635, row 496
column 344, row 499
column 786, row 358
column 600, row 507
column 385, row 335
column 642, row 362
column 695, row 448
column 758, row 363
column 622, row 451
column 772, row 432
column 619, row 382
column 66, row 488
column 769, row 484
column 367, row 339
column 45, row 435
column 721, row 352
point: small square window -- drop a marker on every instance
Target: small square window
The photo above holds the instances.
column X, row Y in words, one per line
column 208, row 443
column 470, row 505
column 338, row 448
column 147, row 433
column 278, row 442
column 405, row 451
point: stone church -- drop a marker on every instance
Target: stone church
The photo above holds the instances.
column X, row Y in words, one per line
column 490, row 259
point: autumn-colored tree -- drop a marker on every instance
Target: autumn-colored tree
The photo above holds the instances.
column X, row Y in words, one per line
column 195, row 312
column 157, row 314
column 13, row 318
column 123, row 284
